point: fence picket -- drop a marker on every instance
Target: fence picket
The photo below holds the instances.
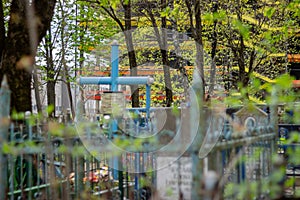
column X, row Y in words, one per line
column 4, row 124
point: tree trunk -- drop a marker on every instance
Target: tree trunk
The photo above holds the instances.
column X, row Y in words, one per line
column 199, row 43
column 165, row 59
column 50, row 73
column 162, row 42
column 18, row 53
column 2, row 30
column 178, row 56
column 71, row 99
column 63, row 60
column 131, row 53
column 167, row 77
column 36, row 90
column 243, row 78
column 194, row 12
column 129, row 44
column 51, row 96
column 213, row 52
column 81, row 56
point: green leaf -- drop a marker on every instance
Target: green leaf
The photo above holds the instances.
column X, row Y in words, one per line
column 175, row 12
column 256, row 83
column 6, row 148
column 284, row 81
column 114, row 4
column 269, row 12
column 175, row 111
column 50, row 109
column 242, row 28
column 208, row 17
column 289, row 182
column 166, row 12
column 220, row 15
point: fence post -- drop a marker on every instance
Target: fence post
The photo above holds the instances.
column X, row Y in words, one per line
column 4, row 124
column 196, row 114
column 274, row 116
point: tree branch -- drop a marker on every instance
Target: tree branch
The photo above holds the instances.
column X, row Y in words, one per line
column 190, row 13
column 112, row 14
column 2, row 31
column 44, row 10
column 251, row 62
column 154, row 24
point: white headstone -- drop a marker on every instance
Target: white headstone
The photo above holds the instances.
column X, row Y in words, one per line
column 173, row 178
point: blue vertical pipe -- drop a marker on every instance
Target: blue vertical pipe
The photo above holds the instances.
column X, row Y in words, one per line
column 114, row 66
column 148, row 100
column 137, row 169
column 114, row 126
column 114, row 88
column 114, row 75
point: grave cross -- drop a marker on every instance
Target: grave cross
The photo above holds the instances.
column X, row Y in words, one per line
column 114, row 80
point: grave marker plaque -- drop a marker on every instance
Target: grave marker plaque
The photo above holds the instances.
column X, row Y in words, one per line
column 173, row 178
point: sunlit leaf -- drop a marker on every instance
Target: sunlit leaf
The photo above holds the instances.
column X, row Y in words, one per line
column 269, row 12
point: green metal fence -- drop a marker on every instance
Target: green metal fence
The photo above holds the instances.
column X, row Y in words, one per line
column 55, row 164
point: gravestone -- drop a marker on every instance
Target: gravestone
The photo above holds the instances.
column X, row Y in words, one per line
column 174, row 179
column 251, row 116
column 254, row 122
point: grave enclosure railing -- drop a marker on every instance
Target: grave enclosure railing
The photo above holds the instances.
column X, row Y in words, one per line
column 50, row 165
column 245, row 161
column 39, row 166
column 37, row 163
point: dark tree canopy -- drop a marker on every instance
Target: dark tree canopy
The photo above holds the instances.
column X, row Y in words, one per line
column 27, row 24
